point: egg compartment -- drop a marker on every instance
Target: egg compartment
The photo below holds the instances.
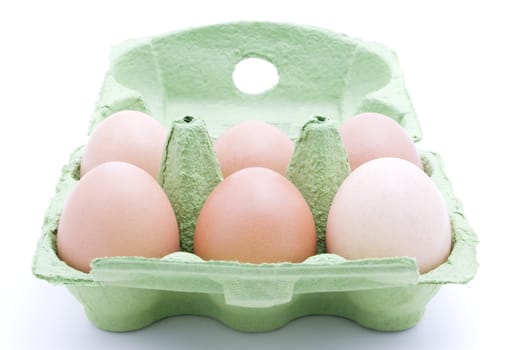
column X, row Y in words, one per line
column 189, row 72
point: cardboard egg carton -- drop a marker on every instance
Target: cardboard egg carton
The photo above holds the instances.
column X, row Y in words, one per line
column 188, row 73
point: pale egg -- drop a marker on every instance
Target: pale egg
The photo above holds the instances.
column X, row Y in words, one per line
column 253, row 144
column 388, row 207
column 128, row 136
column 255, row 215
column 370, row 136
column 116, row 209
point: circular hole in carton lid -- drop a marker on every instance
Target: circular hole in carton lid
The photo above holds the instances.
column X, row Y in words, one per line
column 255, row 75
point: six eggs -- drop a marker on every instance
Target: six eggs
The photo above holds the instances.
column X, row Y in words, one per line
column 386, row 207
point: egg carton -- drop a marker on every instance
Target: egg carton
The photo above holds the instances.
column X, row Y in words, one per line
column 189, row 73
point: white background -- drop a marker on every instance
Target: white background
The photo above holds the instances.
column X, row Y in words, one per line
column 463, row 69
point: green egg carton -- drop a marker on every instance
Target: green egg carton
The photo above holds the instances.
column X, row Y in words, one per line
column 324, row 78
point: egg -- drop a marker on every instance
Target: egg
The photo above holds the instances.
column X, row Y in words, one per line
column 369, row 136
column 116, row 209
column 253, row 144
column 128, row 136
column 388, row 207
column 255, row 215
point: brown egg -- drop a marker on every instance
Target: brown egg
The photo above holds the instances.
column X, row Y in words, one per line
column 128, row 136
column 369, row 136
column 253, row 144
column 255, row 215
column 388, row 207
column 116, row 209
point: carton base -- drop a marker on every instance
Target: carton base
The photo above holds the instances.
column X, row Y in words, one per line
column 121, row 309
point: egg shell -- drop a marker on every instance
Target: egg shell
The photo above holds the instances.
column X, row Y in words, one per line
column 255, row 215
column 116, row 209
column 321, row 73
column 369, row 136
column 253, row 144
column 388, row 207
column 128, row 136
